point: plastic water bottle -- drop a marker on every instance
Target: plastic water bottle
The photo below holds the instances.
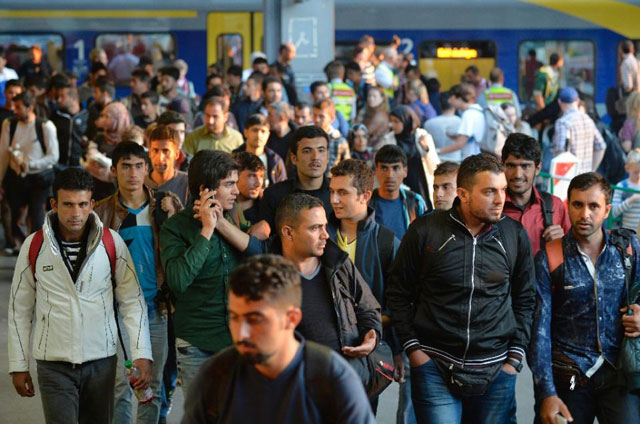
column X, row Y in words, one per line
column 133, row 374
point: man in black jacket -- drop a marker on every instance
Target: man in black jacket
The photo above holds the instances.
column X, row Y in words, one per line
column 461, row 295
column 338, row 307
column 71, row 124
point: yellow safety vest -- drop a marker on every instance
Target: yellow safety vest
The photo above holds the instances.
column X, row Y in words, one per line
column 496, row 95
column 343, row 97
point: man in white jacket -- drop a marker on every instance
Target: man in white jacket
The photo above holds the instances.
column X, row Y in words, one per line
column 69, row 286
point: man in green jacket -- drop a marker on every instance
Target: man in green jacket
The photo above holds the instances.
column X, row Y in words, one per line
column 197, row 262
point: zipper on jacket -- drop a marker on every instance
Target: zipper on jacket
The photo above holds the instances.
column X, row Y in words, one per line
column 473, row 286
column 453, row 237
column 500, row 243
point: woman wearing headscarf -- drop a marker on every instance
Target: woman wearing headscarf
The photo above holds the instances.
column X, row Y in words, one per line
column 419, row 147
column 113, row 121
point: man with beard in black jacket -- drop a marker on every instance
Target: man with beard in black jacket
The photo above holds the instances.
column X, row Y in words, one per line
column 461, row 296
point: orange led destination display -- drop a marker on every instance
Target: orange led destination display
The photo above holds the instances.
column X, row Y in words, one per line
column 456, row 53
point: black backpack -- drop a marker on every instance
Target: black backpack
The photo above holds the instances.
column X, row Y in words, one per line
column 13, row 124
column 317, row 366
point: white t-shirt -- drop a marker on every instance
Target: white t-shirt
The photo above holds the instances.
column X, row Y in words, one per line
column 473, row 126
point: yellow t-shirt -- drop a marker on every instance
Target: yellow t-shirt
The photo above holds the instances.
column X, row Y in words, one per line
column 349, row 247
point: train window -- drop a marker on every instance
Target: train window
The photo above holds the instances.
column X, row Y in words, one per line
column 124, row 52
column 447, row 60
column 48, row 50
column 578, row 70
column 229, row 48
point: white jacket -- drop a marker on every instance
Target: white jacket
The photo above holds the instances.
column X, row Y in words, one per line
column 74, row 323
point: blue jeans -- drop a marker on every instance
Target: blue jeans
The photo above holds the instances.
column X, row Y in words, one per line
column 150, row 412
column 604, row 396
column 189, row 360
column 405, row 414
column 433, row 403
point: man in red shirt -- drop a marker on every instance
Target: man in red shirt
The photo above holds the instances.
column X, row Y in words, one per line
column 522, row 160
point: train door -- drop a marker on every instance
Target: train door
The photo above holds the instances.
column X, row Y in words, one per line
column 447, row 60
column 232, row 36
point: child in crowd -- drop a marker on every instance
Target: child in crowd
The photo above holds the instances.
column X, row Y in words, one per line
column 625, row 203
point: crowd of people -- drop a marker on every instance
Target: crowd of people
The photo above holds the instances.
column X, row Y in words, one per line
column 285, row 260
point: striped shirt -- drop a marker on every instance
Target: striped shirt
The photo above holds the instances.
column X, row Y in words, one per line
column 622, row 205
column 70, row 252
column 584, row 138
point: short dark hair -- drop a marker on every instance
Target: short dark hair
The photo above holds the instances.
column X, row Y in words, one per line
column 170, row 117
column 463, row 91
column 433, row 85
column 235, row 70
column 208, row 168
column 258, row 61
column 35, row 81
column 308, row 131
column 303, row 105
column 97, row 67
column 141, row 74
column 212, row 101
column 475, row 164
column 127, row 149
column 324, row 104
column 26, row 98
column 248, row 161
column 289, row 209
column 258, row 77
column 314, row 85
column 554, row 59
column 522, row 146
column 255, row 119
column 152, row 96
column 353, row 66
column 587, row 180
column 359, row 170
column 72, row 179
column 145, row 60
column 58, row 81
column 444, row 101
column 627, row 45
column 171, row 71
column 446, row 167
column 472, row 69
column 163, row 133
column 270, row 80
column 13, row 83
column 103, row 84
column 334, row 69
column 267, row 277
column 390, row 153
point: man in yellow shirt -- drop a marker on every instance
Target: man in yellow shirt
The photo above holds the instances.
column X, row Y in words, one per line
column 215, row 134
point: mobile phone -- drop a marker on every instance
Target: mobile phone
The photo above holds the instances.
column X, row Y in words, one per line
column 560, row 419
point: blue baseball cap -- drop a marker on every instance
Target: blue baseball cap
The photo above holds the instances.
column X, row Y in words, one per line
column 568, row 95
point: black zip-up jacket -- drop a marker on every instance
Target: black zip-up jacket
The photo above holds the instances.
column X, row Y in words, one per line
column 70, row 129
column 460, row 298
column 356, row 308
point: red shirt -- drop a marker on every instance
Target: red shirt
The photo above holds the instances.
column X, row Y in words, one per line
column 532, row 217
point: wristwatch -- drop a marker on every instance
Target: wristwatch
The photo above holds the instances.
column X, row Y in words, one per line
column 515, row 364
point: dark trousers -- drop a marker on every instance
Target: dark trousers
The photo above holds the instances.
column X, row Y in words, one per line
column 604, row 396
column 77, row 393
column 32, row 191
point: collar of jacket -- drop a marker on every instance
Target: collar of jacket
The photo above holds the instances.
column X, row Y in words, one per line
column 454, row 215
column 122, row 211
column 571, row 243
column 365, row 225
column 332, row 258
column 296, row 185
column 95, row 231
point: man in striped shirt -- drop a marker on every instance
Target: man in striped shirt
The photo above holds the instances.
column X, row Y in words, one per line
column 576, row 132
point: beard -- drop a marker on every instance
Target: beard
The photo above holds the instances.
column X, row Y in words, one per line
column 254, row 357
column 487, row 216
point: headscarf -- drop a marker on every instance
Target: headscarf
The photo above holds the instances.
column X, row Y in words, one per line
column 406, row 139
column 119, row 121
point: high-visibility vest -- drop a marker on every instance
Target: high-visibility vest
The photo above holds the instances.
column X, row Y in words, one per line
column 497, row 94
column 343, row 97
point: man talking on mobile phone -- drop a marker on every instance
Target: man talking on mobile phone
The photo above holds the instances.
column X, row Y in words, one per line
column 197, row 262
